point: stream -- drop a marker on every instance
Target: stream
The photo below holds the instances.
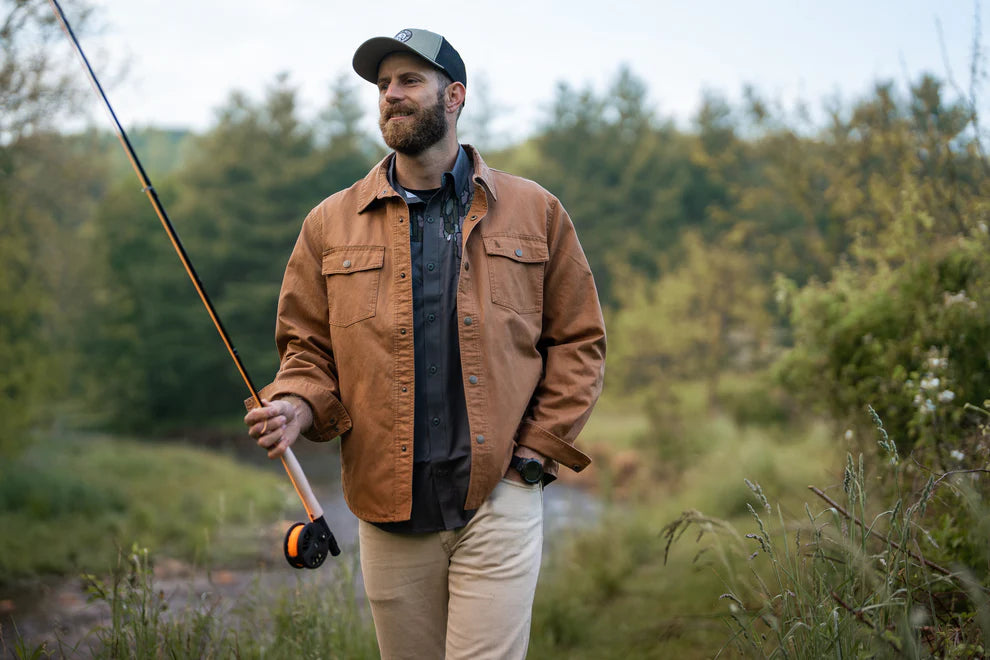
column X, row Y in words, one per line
column 53, row 609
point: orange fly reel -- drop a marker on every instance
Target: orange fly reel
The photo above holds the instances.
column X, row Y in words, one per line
column 307, row 544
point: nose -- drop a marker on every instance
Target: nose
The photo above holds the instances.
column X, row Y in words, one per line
column 393, row 92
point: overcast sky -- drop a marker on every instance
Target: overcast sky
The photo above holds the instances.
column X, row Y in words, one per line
column 184, row 57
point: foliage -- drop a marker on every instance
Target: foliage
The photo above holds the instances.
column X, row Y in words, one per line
column 101, row 493
column 853, row 580
column 905, row 312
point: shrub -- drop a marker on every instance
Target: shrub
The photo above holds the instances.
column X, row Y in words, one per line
column 853, row 580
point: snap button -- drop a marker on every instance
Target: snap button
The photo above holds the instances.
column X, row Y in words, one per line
column 518, row 252
column 473, row 380
column 402, row 331
column 467, row 320
column 480, row 439
column 403, row 447
column 347, row 263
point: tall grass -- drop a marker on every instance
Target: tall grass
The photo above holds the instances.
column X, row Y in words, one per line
column 851, row 579
column 320, row 617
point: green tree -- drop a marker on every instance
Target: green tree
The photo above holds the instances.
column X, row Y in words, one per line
column 46, row 186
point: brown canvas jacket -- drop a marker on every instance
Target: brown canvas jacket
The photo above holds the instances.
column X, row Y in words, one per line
column 532, row 337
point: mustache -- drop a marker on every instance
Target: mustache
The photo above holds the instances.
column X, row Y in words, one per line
column 399, row 109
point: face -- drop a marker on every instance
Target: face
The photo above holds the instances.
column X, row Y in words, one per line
column 411, row 104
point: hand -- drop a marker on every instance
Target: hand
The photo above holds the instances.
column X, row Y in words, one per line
column 523, row 452
column 277, row 424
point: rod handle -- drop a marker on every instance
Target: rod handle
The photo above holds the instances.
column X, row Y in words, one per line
column 301, row 484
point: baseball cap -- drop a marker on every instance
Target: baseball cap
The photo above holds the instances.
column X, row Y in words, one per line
column 432, row 47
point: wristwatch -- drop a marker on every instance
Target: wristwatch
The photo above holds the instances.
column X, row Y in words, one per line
column 530, row 469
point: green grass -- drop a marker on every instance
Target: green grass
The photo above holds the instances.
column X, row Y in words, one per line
column 608, row 593
column 71, row 502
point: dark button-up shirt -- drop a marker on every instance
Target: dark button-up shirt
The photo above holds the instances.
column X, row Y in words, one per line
column 441, row 436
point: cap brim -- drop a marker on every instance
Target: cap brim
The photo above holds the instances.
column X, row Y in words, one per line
column 371, row 53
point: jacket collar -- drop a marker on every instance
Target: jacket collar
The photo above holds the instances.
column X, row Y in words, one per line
column 375, row 186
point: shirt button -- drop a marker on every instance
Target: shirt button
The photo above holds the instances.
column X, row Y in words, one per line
column 347, row 263
column 430, row 266
column 480, row 439
column 433, row 369
column 431, row 317
column 467, row 266
column 430, row 219
column 474, row 217
column 518, row 252
column 405, row 389
column 467, row 320
column 473, row 380
column 402, row 275
column 403, row 447
column 436, row 421
column 402, row 331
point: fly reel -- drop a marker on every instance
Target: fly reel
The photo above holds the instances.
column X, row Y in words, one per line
column 307, row 544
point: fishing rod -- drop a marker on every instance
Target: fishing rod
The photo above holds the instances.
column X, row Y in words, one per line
column 306, row 544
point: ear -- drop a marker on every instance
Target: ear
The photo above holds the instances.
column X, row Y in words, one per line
column 454, row 96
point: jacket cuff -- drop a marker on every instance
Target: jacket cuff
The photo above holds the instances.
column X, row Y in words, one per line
column 330, row 419
column 540, row 440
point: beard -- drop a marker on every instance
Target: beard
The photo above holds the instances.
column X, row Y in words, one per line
column 426, row 127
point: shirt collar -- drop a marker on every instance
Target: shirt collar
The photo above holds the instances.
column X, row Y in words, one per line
column 460, row 175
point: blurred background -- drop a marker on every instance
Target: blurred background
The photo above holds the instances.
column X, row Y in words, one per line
column 786, row 209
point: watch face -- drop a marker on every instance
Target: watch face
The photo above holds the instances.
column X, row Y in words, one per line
column 532, row 471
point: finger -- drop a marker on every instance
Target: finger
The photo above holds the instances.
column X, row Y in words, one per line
column 278, row 449
column 271, row 439
column 270, row 424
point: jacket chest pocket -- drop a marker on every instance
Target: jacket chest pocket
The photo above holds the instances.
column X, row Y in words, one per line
column 353, row 276
column 515, row 268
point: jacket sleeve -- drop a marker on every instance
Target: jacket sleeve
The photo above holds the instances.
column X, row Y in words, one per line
column 302, row 334
column 572, row 344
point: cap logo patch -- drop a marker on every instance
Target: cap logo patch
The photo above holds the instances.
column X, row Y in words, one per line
column 404, row 36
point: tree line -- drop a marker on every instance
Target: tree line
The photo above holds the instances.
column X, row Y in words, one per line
column 823, row 266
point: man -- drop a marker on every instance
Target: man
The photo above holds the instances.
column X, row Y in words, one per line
column 441, row 318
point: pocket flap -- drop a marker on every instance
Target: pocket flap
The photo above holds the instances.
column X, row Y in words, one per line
column 353, row 258
column 524, row 249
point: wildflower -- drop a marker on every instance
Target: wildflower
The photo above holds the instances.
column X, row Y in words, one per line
column 945, row 396
column 957, row 455
column 983, row 227
column 848, row 435
column 930, row 383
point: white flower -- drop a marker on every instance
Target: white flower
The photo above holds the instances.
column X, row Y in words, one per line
column 849, row 434
column 957, row 455
column 983, row 227
column 930, row 383
column 945, row 396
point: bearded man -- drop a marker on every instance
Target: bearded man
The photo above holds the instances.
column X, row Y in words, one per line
column 440, row 318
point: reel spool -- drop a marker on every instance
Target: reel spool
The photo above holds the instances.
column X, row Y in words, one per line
column 307, row 544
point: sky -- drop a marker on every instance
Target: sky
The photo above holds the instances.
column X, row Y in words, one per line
column 181, row 58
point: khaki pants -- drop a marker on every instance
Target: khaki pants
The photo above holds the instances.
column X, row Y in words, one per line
column 466, row 593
